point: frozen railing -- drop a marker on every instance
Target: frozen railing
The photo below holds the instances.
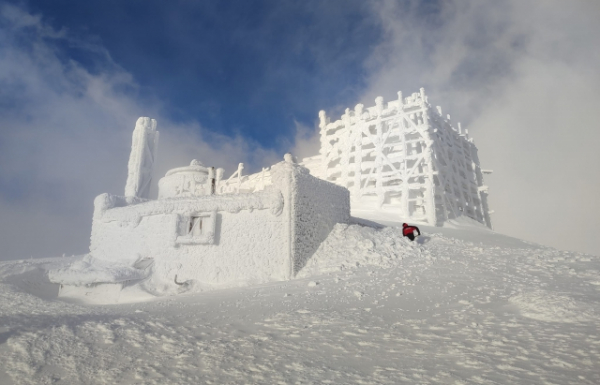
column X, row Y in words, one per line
column 238, row 183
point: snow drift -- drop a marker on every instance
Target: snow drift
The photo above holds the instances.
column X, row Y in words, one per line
column 462, row 305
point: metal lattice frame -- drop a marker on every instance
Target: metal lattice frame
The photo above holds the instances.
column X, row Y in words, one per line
column 404, row 158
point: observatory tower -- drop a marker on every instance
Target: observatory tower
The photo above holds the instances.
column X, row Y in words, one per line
column 403, row 158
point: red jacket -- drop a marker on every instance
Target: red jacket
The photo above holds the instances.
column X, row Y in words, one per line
column 409, row 230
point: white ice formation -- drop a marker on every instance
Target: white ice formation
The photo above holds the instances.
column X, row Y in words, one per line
column 142, row 158
column 203, row 231
column 404, row 158
column 401, row 158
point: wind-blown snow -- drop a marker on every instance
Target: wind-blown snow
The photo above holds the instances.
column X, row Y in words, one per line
column 91, row 271
column 463, row 305
column 350, row 246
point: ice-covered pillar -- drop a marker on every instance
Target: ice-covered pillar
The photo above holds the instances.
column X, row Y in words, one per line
column 379, row 153
column 324, row 145
column 400, row 101
column 430, row 208
column 212, row 179
column 239, row 176
column 141, row 160
column 346, row 145
column 357, row 141
column 219, row 175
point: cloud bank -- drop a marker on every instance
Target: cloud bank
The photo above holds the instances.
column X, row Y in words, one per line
column 65, row 135
column 523, row 76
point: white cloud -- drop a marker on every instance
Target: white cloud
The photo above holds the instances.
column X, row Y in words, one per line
column 65, row 135
column 306, row 141
column 524, row 75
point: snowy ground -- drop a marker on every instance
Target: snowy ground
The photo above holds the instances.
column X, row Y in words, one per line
column 461, row 306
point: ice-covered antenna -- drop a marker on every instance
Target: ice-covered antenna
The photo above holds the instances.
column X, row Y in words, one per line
column 379, row 103
column 400, row 98
column 358, row 110
column 322, row 119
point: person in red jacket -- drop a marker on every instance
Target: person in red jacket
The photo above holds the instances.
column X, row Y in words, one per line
column 409, row 231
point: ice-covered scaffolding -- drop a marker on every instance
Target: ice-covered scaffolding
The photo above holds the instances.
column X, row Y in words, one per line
column 403, row 157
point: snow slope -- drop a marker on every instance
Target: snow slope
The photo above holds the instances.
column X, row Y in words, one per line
column 463, row 305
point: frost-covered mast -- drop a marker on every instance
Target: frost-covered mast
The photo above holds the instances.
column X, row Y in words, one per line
column 403, row 157
column 141, row 159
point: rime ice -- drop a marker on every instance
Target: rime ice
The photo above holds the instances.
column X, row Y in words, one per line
column 203, row 231
column 141, row 159
column 403, row 158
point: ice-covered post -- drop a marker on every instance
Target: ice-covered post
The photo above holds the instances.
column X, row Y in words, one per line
column 219, row 172
column 346, row 145
column 262, row 177
column 429, row 193
column 324, row 144
column 378, row 156
column 358, row 112
column 212, row 180
column 239, row 175
column 141, row 159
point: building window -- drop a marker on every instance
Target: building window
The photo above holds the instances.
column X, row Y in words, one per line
column 195, row 227
column 198, row 228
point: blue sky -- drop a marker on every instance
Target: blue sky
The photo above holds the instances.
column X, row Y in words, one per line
column 252, row 67
column 243, row 81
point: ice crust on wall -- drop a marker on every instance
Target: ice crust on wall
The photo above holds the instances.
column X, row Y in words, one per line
column 263, row 236
column 189, row 181
column 318, row 208
column 134, row 213
column 248, row 237
column 204, row 232
column 141, row 160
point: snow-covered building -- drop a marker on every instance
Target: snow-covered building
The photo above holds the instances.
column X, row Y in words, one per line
column 204, row 230
column 403, row 158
